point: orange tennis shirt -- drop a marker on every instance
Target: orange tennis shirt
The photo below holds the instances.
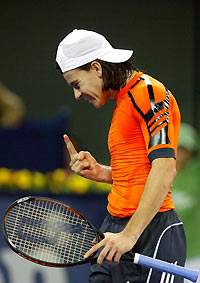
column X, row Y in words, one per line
column 145, row 126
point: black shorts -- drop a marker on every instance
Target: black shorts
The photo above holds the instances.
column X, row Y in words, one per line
column 164, row 239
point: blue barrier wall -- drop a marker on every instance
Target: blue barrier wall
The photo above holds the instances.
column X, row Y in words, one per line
column 37, row 144
column 14, row 269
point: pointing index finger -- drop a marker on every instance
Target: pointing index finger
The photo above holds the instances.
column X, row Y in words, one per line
column 71, row 149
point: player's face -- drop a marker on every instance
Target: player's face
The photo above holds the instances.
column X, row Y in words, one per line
column 88, row 85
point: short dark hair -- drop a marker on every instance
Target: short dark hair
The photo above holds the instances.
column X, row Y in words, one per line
column 115, row 75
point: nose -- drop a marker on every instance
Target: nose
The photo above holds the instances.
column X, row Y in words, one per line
column 77, row 93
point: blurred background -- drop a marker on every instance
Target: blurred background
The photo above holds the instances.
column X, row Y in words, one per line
column 37, row 107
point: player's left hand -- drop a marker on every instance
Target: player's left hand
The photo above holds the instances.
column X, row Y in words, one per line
column 114, row 245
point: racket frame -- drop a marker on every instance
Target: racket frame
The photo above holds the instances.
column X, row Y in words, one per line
column 99, row 235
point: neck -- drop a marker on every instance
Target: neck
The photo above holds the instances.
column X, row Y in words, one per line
column 131, row 75
column 113, row 92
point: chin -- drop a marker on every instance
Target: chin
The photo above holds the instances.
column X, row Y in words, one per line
column 99, row 105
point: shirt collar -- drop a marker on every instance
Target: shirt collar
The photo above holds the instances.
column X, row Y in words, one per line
column 126, row 88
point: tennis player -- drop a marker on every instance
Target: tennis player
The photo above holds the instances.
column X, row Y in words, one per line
column 142, row 140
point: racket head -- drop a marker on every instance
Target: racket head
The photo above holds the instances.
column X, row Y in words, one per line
column 49, row 232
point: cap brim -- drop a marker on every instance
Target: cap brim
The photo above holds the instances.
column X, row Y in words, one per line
column 116, row 56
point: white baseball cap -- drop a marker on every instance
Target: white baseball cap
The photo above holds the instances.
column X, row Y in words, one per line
column 82, row 46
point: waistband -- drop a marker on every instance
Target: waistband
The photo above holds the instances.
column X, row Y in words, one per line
column 116, row 219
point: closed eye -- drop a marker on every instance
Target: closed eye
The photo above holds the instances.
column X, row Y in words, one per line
column 75, row 85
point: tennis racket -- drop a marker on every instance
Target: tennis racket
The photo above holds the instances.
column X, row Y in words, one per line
column 54, row 234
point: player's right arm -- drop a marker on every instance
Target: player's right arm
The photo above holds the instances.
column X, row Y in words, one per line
column 85, row 165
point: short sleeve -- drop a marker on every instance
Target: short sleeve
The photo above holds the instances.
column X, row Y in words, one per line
column 155, row 112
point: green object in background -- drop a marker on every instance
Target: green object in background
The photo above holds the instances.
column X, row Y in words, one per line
column 186, row 193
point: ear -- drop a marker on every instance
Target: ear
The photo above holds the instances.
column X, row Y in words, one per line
column 96, row 66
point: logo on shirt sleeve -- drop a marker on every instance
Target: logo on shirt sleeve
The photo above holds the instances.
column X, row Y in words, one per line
column 157, row 118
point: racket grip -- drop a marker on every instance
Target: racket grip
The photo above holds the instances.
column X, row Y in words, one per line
column 163, row 266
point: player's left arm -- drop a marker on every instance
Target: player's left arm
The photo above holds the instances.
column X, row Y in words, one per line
column 157, row 186
column 158, row 183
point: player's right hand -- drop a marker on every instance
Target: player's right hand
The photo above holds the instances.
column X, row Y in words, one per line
column 82, row 163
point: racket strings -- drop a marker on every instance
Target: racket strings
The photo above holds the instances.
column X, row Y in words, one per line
column 49, row 232
column 74, row 241
column 70, row 219
column 33, row 231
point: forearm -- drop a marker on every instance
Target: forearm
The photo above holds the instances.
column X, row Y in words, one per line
column 157, row 186
column 104, row 174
